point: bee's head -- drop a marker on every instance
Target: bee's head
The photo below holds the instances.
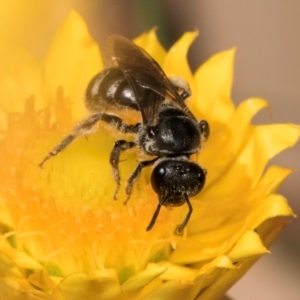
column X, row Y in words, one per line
column 174, row 179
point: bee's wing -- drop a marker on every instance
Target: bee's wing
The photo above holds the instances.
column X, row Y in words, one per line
column 148, row 81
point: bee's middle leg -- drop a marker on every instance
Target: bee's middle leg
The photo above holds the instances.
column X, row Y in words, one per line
column 119, row 146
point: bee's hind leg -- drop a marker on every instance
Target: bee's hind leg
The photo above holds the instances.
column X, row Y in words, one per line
column 84, row 127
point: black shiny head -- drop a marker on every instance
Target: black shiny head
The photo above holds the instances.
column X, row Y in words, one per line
column 173, row 179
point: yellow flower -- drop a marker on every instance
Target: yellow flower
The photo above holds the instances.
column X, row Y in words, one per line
column 62, row 234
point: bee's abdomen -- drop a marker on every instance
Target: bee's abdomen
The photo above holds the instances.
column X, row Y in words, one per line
column 110, row 90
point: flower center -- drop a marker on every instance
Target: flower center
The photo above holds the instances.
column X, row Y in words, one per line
column 66, row 210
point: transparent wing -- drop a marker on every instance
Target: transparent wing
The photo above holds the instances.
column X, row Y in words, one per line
column 147, row 79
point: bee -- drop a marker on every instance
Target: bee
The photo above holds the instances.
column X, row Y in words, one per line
column 167, row 132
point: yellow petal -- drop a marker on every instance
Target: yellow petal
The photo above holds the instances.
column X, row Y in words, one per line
column 214, row 81
column 210, row 272
column 176, row 272
column 73, row 59
column 275, row 138
column 241, row 118
column 273, row 178
column 268, row 232
column 227, row 279
column 80, row 286
column 261, row 143
column 274, row 205
column 233, row 138
column 149, row 42
column 202, row 247
column 8, row 267
column 171, row 290
column 20, row 77
column 42, row 280
column 176, row 60
column 142, row 283
column 247, row 246
column 222, row 261
column 13, row 285
column 22, row 259
column 21, row 22
column 215, row 225
column 179, row 287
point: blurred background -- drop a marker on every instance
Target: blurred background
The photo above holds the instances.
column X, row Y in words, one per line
column 266, row 34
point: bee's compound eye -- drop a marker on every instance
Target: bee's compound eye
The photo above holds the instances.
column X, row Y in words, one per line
column 204, row 129
column 158, row 177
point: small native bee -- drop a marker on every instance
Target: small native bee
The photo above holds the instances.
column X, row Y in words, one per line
column 168, row 131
